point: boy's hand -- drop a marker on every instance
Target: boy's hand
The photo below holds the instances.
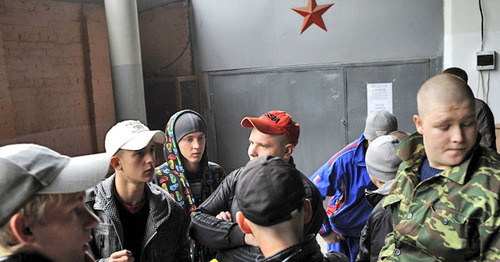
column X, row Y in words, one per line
column 87, row 257
column 333, row 237
column 224, row 215
column 121, row 256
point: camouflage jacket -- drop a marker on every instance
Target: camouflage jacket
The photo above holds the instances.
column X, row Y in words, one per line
column 452, row 216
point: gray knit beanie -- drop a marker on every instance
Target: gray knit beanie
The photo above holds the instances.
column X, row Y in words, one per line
column 379, row 123
column 188, row 123
column 381, row 160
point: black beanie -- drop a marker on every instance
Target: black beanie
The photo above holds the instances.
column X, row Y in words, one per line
column 188, row 123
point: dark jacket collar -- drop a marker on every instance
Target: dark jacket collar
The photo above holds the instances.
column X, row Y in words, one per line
column 159, row 206
column 307, row 250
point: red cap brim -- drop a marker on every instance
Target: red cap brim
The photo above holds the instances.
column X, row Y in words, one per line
column 263, row 126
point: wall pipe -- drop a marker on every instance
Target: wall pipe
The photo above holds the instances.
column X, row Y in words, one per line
column 125, row 55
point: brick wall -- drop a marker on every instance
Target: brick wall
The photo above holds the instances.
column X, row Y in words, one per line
column 55, row 79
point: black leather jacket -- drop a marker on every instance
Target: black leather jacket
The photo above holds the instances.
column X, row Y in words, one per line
column 305, row 251
column 373, row 235
column 485, row 124
column 165, row 238
column 227, row 237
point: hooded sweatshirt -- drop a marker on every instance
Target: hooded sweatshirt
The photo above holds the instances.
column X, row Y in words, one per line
column 172, row 177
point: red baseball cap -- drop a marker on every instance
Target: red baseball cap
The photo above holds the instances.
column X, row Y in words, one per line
column 274, row 123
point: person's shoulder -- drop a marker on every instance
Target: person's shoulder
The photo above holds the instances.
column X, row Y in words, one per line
column 163, row 200
column 480, row 103
column 161, row 197
column 489, row 160
column 491, row 154
column 487, row 165
column 346, row 153
column 213, row 164
column 234, row 174
column 216, row 168
column 101, row 190
column 90, row 195
column 159, row 192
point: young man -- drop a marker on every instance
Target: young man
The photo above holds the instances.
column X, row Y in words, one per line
column 444, row 201
column 274, row 209
column 344, row 178
column 274, row 133
column 139, row 221
column 42, row 214
column 187, row 174
column 382, row 164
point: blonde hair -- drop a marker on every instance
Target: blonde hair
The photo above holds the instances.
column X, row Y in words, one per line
column 35, row 210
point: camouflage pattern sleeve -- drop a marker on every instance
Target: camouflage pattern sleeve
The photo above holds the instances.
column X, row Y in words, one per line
column 388, row 250
column 490, row 240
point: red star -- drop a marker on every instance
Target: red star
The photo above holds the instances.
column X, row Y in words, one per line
column 312, row 14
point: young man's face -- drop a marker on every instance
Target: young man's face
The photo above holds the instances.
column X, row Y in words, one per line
column 449, row 133
column 192, row 147
column 66, row 231
column 137, row 166
column 263, row 144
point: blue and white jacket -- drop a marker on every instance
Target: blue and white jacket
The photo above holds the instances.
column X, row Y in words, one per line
column 344, row 179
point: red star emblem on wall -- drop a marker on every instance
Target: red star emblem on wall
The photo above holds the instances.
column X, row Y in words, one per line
column 312, row 14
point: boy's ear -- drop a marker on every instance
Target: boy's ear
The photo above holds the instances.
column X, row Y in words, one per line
column 418, row 124
column 20, row 226
column 241, row 220
column 288, row 151
column 115, row 162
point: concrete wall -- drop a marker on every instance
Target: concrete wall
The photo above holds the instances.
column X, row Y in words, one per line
column 265, row 35
column 55, row 80
column 164, row 38
column 462, row 38
column 261, row 33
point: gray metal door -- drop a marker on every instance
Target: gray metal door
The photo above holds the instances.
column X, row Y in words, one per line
column 406, row 78
column 314, row 98
column 328, row 102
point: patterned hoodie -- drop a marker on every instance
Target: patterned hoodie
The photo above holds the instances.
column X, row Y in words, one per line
column 171, row 174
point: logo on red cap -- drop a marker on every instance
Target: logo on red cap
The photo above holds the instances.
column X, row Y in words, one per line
column 273, row 118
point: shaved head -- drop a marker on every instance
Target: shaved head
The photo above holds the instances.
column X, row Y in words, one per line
column 446, row 120
column 443, row 89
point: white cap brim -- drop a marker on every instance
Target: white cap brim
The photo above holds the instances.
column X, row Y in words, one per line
column 141, row 140
column 80, row 173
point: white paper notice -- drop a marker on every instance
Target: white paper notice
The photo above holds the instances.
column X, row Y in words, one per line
column 379, row 97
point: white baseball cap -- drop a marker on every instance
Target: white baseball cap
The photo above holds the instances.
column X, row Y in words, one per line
column 29, row 169
column 131, row 135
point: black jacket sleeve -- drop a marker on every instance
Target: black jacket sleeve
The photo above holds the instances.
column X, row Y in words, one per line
column 373, row 235
column 485, row 124
column 365, row 242
column 211, row 231
column 182, row 253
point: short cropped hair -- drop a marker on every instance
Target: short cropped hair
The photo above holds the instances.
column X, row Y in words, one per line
column 36, row 210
